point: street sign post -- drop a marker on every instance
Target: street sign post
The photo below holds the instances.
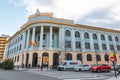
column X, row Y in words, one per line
column 113, row 60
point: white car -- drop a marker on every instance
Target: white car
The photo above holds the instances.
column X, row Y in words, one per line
column 82, row 68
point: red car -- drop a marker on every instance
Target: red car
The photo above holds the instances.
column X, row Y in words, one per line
column 100, row 67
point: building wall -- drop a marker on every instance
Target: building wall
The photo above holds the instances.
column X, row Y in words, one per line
column 2, row 46
column 31, row 40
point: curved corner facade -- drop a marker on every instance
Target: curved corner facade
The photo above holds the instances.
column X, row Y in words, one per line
column 47, row 40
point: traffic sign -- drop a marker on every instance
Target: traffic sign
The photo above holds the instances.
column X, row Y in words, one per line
column 113, row 59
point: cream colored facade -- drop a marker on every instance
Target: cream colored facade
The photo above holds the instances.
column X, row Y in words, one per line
column 47, row 40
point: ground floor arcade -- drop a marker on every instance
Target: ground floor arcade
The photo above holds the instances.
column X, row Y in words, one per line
column 48, row 58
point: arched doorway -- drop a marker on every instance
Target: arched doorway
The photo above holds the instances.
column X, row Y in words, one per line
column 27, row 60
column 35, row 60
column 55, row 60
column 45, row 59
column 68, row 56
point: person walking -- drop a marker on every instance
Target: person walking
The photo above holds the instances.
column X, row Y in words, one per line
column 41, row 67
column 38, row 67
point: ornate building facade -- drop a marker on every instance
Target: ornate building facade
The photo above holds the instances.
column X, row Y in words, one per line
column 47, row 40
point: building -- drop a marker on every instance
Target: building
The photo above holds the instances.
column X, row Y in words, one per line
column 47, row 40
column 3, row 39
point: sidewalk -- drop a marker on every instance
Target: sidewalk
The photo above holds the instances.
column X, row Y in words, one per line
column 114, row 78
column 31, row 69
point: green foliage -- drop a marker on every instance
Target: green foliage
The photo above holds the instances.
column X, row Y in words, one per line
column 7, row 64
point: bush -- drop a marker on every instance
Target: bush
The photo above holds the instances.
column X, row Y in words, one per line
column 7, row 64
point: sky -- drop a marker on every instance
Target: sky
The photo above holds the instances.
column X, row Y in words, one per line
column 98, row 13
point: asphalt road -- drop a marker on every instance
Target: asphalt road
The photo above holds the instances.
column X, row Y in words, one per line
column 21, row 75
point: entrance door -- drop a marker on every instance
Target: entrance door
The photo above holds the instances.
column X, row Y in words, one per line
column 35, row 60
column 27, row 60
column 45, row 59
column 55, row 60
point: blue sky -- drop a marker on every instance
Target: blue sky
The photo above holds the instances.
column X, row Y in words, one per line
column 99, row 13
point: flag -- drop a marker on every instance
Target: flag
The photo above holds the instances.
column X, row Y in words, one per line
column 31, row 43
column 35, row 43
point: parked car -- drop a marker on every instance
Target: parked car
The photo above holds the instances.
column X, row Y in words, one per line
column 82, row 68
column 116, row 67
column 100, row 67
column 68, row 64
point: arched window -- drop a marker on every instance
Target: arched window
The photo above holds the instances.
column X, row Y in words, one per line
column 68, row 56
column 109, row 38
column 106, row 57
column 86, row 35
column 77, row 34
column 21, row 37
column 15, row 59
column 18, row 58
column 79, row 57
column 116, row 39
column 94, row 36
column 102, row 37
column 89, row 57
column 98, row 58
column 67, row 33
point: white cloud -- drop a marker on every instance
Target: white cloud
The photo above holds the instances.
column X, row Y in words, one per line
column 73, row 9
column 16, row 3
column 76, row 9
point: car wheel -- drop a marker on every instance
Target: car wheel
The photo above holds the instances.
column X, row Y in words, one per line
column 62, row 69
column 109, row 70
column 98, row 70
column 90, row 70
column 79, row 69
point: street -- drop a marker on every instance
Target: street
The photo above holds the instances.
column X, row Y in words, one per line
column 71, row 75
column 22, row 75
column 34, row 74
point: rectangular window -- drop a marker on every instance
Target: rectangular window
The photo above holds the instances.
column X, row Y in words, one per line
column 67, row 44
column 78, row 45
column 53, row 37
column 87, row 45
column 96, row 46
column 104, row 47
column 39, row 38
column 44, row 36
column 118, row 47
column 111, row 47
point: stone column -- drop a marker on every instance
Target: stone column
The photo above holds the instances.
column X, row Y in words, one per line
column 41, row 37
column 82, row 42
column 51, row 32
column 91, row 42
column 60, row 38
column 107, row 43
column 73, row 40
column 24, row 41
column 33, row 36
column 99, row 42
column 114, row 43
column 28, row 35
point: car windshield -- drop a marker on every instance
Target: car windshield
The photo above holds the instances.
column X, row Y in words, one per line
column 80, row 65
column 95, row 64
